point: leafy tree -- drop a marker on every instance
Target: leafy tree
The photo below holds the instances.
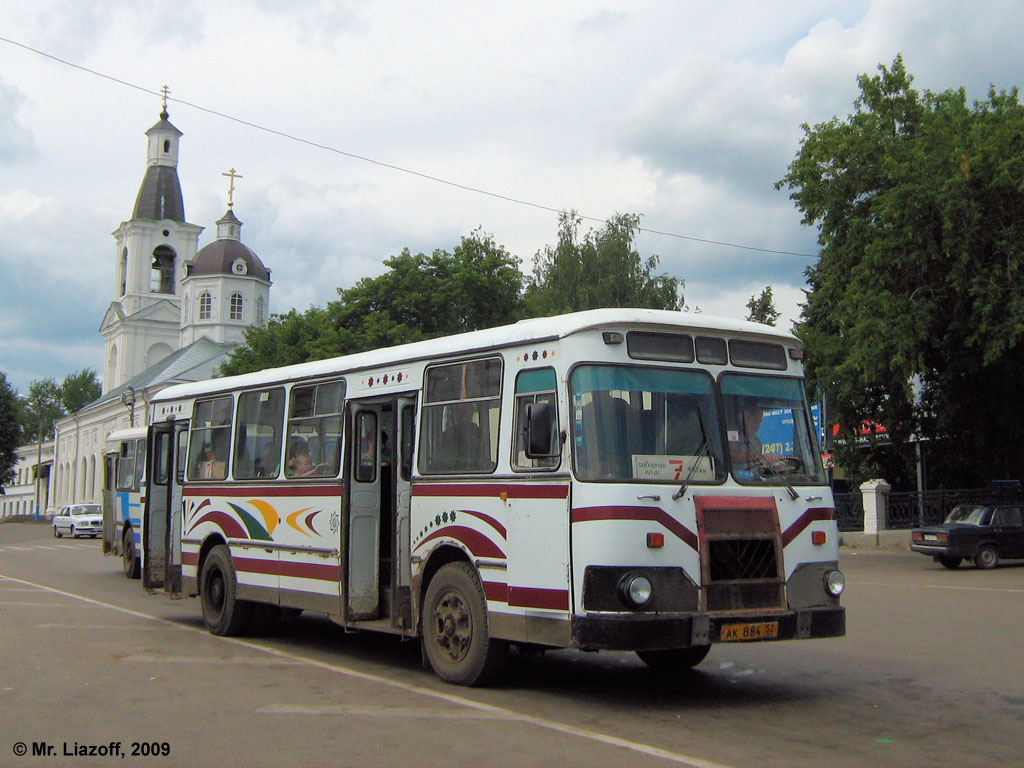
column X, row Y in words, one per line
column 762, row 308
column 10, row 430
column 42, row 409
column 920, row 209
column 601, row 269
column 477, row 285
column 79, row 389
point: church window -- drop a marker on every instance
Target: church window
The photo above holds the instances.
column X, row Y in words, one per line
column 161, row 276
column 260, row 310
column 205, row 305
column 124, row 271
column 167, row 145
column 236, row 306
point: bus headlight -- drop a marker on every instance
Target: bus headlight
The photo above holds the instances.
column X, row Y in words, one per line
column 835, row 583
column 635, row 590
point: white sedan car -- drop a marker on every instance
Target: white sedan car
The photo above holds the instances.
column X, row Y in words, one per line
column 78, row 520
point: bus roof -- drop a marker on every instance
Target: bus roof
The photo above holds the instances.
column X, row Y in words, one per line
column 127, row 433
column 525, row 331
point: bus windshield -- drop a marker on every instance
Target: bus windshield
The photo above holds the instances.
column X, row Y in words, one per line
column 645, row 425
column 771, row 440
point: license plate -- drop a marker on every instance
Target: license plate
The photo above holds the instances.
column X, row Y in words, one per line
column 761, row 631
column 930, row 537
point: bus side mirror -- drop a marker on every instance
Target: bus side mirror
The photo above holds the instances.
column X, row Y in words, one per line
column 540, row 431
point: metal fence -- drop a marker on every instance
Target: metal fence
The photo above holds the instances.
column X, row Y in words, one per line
column 908, row 510
column 850, row 511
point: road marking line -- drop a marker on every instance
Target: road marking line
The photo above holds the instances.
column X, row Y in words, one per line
column 389, row 712
column 936, row 586
column 451, row 698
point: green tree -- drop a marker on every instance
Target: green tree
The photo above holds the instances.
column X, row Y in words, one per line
column 477, row 285
column 600, row 269
column 10, row 430
column 79, row 389
column 42, row 409
column 762, row 308
column 920, row 209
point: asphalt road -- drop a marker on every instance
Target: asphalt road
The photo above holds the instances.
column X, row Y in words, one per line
column 930, row 673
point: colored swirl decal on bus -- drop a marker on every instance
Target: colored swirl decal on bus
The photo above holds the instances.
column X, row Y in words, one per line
column 257, row 523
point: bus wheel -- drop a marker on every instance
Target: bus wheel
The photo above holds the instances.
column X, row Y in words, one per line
column 455, row 634
column 129, row 559
column 675, row 658
column 223, row 613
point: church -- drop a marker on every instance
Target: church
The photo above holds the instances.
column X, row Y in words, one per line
column 177, row 312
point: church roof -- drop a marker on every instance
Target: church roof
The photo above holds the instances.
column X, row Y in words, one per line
column 198, row 361
column 160, row 195
column 217, row 258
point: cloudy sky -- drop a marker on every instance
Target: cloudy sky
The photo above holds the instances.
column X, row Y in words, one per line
column 684, row 112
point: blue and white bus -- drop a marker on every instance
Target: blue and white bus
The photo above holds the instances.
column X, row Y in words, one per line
column 124, row 497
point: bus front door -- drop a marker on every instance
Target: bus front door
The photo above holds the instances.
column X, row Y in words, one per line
column 380, row 469
column 161, row 524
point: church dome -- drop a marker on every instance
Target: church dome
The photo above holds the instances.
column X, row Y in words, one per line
column 226, row 255
column 220, row 258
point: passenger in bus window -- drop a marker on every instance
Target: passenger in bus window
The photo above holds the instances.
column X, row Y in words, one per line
column 267, row 465
column 210, row 466
column 745, row 446
column 297, row 447
column 302, row 465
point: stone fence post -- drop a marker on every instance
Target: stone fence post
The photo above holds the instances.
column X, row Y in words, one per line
column 876, row 505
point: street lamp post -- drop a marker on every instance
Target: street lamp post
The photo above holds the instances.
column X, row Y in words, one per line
column 128, row 399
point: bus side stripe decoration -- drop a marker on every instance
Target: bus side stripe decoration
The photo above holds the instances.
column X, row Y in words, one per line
column 256, row 531
column 478, row 544
column 653, row 514
column 490, row 490
column 223, row 521
column 487, row 519
column 802, row 522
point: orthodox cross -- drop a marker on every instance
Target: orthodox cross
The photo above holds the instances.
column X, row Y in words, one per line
column 164, row 91
column 231, row 188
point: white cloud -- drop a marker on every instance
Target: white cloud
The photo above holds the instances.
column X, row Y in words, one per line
column 684, row 113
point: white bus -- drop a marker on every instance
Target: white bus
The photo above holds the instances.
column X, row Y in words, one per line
column 593, row 481
column 124, row 494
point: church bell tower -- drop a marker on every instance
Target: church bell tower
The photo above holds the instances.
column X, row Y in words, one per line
column 142, row 324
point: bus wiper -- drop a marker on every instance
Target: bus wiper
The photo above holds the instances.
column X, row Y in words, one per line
column 701, row 449
column 765, row 464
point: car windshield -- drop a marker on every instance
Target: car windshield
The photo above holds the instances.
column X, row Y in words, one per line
column 968, row 514
column 86, row 509
column 771, row 438
column 645, row 425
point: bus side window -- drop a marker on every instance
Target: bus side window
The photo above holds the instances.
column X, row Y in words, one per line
column 534, row 386
column 126, row 466
column 258, row 434
column 210, row 439
column 461, row 413
column 315, row 430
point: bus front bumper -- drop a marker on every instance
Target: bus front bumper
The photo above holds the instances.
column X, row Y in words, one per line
column 648, row 633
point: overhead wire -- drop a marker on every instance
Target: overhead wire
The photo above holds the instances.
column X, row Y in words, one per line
column 390, row 166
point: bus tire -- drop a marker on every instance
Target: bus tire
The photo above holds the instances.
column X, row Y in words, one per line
column 223, row 612
column 674, row 658
column 129, row 557
column 455, row 634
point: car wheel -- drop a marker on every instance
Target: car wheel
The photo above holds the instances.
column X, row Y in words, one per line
column 986, row 557
column 223, row 612
column 57, row 534
column 455, row 635
column 674, row 659
column 950, row 562
column 73, row 534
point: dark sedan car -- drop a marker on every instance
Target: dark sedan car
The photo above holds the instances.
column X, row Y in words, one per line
column 980, row 532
